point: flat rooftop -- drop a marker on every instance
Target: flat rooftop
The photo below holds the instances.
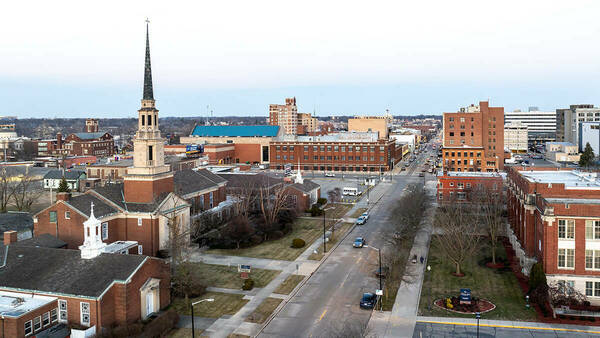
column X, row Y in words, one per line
column 572, row 179
column 367, row 136
column 574, row 200
column 470, row 174
column 14, row 304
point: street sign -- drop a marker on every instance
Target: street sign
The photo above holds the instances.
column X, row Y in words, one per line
column 379, row 292
column 465, row 296
column 244, row 275
column 243, row 268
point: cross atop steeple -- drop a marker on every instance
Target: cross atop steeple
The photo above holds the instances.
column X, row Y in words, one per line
column 148, row 92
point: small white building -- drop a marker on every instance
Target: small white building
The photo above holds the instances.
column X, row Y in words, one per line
column 74, row 178
column 515, row 137
column 589, row 132
column 562, row 152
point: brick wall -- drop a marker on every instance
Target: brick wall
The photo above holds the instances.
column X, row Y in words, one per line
column 146, row 191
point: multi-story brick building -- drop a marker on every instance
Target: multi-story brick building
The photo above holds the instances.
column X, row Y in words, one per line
column 380, row 124
column 458, row 186
column 100, row 144
column 555, row 219
column 474, row 139
column 285, row 116
column 309, row 122
column 335, row 152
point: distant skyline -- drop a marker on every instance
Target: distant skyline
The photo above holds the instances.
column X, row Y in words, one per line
column 336, row 57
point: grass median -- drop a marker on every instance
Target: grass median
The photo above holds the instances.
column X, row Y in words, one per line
column 499, row 287
column 223, row 304
column 264, row 310
column 289, row 284
column 337, row 235
column 281, row 249
column 223, row 276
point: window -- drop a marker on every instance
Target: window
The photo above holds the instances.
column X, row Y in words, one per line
column 277, row 148
column 104, row 231
column 84, row 312
column 451, row 133
column 52, row 216
column 460, row 185
column 306, row 157
column 28, row 329
column 343, row 148
column 469, row 184
column 67, row 215
column 592, row 259
column 139, row 221
column 451, row 184
column 53, row 315
column 315, row 158
column 46, row 319
column 140, row 250
column 328, row 148
column 592, row 229
column 566, row 258
column 37, row 323
column 314, row 148
column 305, row 148
column 592, row 289
column 461, row 196
column 62, row 308
column 322, row 148
column 566, row 229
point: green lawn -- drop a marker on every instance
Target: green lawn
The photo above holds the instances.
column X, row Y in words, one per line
column 224, row 304
column 501, row 288
column 339, row 233
column 223, row 276
column 289, row 284
column 264, row 310
column 307, row 229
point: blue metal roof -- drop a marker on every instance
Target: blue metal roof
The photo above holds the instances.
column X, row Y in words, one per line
column 234, row 131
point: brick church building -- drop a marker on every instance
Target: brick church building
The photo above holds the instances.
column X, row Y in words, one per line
column 151, row 199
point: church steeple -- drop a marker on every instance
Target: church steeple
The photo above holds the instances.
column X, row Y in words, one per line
column 148, row 92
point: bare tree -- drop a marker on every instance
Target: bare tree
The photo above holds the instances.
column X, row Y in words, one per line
column 562, row 294
column 272, row 201
column 26, row 191
column 334, row 195
column 491, row 206
column 245, row 198
column 458, row 238
column 6, row 189
column 178, row 236
column 237, row 230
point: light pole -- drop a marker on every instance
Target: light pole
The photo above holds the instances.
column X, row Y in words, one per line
column 380, row 271
column 192, row 306
column 478, row 316
column 324, row 237
column 430, row 292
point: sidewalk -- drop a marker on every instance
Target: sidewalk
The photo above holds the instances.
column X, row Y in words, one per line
column 509, row 324
column 400, row 322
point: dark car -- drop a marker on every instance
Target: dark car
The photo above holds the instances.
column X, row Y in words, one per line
column 421, row 175
column 382, row 272
column 359, row 242
column 368, row 301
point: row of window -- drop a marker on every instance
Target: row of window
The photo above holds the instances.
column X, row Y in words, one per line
column 348, row 168
column 333, row 158
column 461, row 185
column 330, row 148
column 39, row 322
column 53, row 218
column 566, row 229
column 466, row 154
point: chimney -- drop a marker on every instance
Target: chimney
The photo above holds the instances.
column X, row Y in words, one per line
column 10, row 237
column 59, row 140
column 63, row 196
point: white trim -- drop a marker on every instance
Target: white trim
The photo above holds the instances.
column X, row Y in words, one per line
column 83, row 312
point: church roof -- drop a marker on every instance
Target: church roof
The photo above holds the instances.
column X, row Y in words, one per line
column 235, row 131
column 57, row 174
column 63, row 271
column 306, row 186
column 189, row 181
column 148, row 91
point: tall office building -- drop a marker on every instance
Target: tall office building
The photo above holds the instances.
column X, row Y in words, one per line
column 541, row 125
column 568, row 121
column 474, row 139
column 285, row 115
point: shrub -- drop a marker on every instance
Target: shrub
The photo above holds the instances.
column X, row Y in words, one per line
column 537, row 276
column 160, row 325
column 163, row 253
column 321, row 201
column 315, row 210
column 256, row 239
column 248, row 284
column 276, row 234
column 298, row 243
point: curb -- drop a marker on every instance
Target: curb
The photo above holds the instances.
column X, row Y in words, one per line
column 510, row 326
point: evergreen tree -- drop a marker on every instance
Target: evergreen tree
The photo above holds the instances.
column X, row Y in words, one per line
column 587, row 157
column 63, row 187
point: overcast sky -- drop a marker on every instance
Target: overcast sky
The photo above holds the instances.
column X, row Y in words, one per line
column 81, row 58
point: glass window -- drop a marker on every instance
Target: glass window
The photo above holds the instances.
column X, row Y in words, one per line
column 566, row 229
column 104, row 231
column 139, row 221
column 46, row 319
column 592, row 229
column 343, row 148
column 52, row 216
column 589, row 288
column 37, row 323
column 28, row 329
column 67, row 215
column 84, row 312
column 53, row 315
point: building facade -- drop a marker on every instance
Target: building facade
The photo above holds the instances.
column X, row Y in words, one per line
column 554, row 219
column 457, row 186
column 309, row 122
column 516, row 137
column 380, row 124
column 589, row 132
column 358, row 152
column 541, row 125
column 567, row 121
column 285, row 116
column 562, row 152
column 473, row 139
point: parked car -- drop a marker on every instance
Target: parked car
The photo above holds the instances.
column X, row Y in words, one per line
column 361, row 220
column 421, row 174
column 359, row 242
column 368, row 301
column 329, row 175
column 382, row 272
column 365, row 215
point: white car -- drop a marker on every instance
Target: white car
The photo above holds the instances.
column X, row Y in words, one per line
column 365, row 215
column 329, row 175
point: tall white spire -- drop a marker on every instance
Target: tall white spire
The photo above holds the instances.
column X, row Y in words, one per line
column 92, row 237
column 299, row 178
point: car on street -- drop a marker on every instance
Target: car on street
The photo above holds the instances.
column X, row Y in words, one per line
column 361, row 220
column 359, row 242
column 365, row 215
column 421, row 174
column 368, row 300
column 329, row 175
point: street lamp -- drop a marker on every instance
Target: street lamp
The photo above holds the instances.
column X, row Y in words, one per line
column 430, row 292
column 478, row 316
column 192, row 306
column 380, row 271
column 527, row 301
column 324, row 237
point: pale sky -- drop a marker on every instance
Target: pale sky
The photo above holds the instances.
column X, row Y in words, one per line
column 80, row 58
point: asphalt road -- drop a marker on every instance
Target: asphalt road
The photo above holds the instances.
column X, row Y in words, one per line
column 331, row 296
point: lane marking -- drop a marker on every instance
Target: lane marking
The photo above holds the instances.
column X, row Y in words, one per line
column 323, row 314
column 511, row 326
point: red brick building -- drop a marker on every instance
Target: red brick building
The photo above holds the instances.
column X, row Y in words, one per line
column 356, row 151
column 459, row 186
column 46, row 286
column 220, row 153
column 89, row 143
column 555, row 219
column 474, row 139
